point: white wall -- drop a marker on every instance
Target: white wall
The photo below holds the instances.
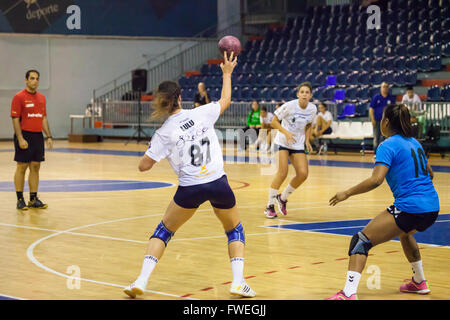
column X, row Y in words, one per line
column 70, row 69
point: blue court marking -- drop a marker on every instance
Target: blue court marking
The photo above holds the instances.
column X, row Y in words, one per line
column 437, row 234
column 7, row 298
column 97, row 151
column 240, row 159
column 88, row 185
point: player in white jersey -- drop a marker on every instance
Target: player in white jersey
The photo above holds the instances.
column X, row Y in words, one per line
column 293, row 135
column 188, row 140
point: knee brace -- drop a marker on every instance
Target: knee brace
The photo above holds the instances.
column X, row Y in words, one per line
column 359, row 244
column 162, row 233
column 236, row 234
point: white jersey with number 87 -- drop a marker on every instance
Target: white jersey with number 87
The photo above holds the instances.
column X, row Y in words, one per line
column 188, row 140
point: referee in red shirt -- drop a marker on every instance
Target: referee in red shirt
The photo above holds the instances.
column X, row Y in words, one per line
column 29, row 119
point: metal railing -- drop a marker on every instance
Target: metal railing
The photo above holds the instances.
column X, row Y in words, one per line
column 126, row 113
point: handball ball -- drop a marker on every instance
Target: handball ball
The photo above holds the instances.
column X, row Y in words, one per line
column 230, row 44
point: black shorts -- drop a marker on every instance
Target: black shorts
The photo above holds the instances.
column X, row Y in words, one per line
column 328, row 131
column 217, row 192
column 291, row 151
column 35, row 150
column 412, row 221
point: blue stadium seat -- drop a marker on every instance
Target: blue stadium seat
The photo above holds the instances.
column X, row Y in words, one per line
column 245, row 94
column 401, row 50
column 331, row 80
column 350, row 93
column 275, row 94
column 424, row 63
column 411, row 78
column 411, row 49
column 400, row 63
column 266, row 94
column 412, row 63
column 204, row 69
column 400, row 79
column 366, row 65
column 424, row 49
column 445, row 93
column 377, row 63
column 354, row 64
column 388, row 63
column 435, row 49
column 361, row 109
column 446, row 49
column 339, row 95
column 310, row 77
column 318, row 93
column 344, row 65
column 367, row 52
column 341, row 78
column 312, row 66
column 289, row 79
column 256, row 94
column 363, row 78
column 215, row 94
column 286, row 94
column 434, row 93
column 236, row 94
column 388, row 77
column 349, row 112
column 333, row 66
column 375, row 78
column 352, row 78
column 435, row 63
column 363, row 93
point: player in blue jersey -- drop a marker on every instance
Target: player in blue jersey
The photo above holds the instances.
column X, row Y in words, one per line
column 401, row 160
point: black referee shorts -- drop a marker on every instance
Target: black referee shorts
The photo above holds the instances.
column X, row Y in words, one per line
column 35, row 150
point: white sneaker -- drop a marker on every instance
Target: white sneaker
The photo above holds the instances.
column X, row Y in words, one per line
column 137, row 288
column 242, row 289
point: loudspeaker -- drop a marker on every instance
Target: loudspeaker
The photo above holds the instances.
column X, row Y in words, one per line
column 139, row 80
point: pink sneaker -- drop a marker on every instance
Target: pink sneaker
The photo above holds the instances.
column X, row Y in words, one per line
column 281, row 204
column 341, row 296
column 270, row 212
column 414, row 287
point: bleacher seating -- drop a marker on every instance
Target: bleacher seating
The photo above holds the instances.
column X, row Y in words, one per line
column 332, row 48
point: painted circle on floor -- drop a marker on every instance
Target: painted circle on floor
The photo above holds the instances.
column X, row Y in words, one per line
column 87, row 185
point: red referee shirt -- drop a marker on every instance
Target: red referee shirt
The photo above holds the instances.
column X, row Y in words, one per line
column 30, row 108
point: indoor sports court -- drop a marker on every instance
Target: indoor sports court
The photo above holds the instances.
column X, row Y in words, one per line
column 77, row 212
column 103, row 210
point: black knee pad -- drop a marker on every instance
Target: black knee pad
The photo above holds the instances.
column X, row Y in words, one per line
column 359, row 244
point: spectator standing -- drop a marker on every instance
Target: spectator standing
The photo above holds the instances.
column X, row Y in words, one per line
column 377, row 105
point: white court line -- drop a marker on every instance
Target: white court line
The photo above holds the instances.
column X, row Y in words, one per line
column 12, row 297
column 32, row 258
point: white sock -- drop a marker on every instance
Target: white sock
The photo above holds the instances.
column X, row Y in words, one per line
column 417, row 269
column 147, row 268
column 287, row 192
column 237, row 267
column 352, row 282
column 272, row 194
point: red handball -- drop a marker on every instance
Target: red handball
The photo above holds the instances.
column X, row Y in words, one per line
column 230, row 44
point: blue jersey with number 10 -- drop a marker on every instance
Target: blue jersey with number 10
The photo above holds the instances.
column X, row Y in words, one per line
column 408, row 175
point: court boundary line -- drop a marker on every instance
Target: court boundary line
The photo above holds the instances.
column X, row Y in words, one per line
column 12, row 297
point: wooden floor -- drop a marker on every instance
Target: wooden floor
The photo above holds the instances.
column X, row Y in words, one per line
column 104, row 234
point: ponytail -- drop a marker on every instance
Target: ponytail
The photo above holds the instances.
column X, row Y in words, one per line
column 399, row 119
column 166, row 99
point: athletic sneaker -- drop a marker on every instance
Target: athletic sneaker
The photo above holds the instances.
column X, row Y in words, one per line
column 37, row 204
column 242, row 289
column 135, row 289
column 270, row 212
column 281, row 204
column 341, row 296
column 21, row 205
column 414, row 287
